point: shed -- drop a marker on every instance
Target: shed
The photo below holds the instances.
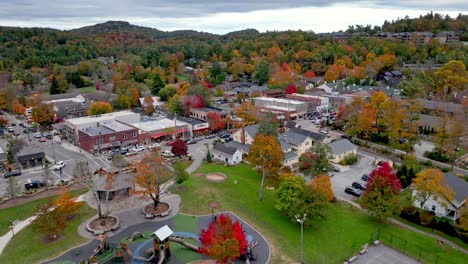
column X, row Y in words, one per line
column 340, row 148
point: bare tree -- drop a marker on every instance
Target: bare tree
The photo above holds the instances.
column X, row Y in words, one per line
column 47, row 175
column 13, row 187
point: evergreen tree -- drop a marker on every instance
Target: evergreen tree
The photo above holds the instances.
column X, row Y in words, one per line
column 54, row 87
column 158, row 84
column 262, row 73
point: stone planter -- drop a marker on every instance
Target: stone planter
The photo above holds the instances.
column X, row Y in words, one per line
column 102, row 230
column 150, row 215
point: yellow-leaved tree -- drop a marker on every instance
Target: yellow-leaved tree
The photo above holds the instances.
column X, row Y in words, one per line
column 430, row 184
column 321, row 184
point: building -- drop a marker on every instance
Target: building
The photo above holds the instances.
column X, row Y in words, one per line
column 71, row 126
column 99, row 96
column 196, row 127
column 341, row 148
column 101, row 137
column 298, row 140
column 70, row 109
column 447, row 37
column 274, row 93
column 227, row 154
column 3, row 159
column 30, row 156
column 336, row 100
column 290, row 158
column 314, row 103
column 159, row 129
column 434, row 107
column 156, row 101
column 295, row 109
column 245, row 135
column 113, row 184
column 202, row 113
column 449, row 209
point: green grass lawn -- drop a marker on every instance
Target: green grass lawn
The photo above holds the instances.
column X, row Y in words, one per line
column 181, row 77
column 26, row 246
column 340, row 235
column 86, row 90
column 24, row 211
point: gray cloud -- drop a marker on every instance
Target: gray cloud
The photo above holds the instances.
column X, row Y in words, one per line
column 66, row 13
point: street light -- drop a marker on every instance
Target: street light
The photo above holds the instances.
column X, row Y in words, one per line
column 11, row 227
column 301, row 221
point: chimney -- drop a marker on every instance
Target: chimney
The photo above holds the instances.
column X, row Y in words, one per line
column 243, row 135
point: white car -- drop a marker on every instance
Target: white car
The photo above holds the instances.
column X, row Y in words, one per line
column 324, row 131
column 137, row 149
column 167, row 154
column 37, row 135
column 154, row 146
column 59, row 165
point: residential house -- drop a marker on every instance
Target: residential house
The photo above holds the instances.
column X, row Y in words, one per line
column 336, row 100
column 226, row 154
column 341, row 148
column 70, row 109
column 298, row 139
column 244, row 148
column 245, row 135
column 101, row 137
column 290, row 158
column 448, row 208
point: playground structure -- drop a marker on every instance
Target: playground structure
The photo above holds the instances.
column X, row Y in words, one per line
column 155, row 249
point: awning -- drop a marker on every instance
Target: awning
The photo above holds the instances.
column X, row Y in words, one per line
column 115, row 144
column 201, row 129
column 293, row 115
column 164, row 133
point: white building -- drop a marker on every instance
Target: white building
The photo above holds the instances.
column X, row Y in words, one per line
column 285, row 104
column 340, row 149
column 156, row 128
column 449, row 209
column 321, row 107
column 226, row 154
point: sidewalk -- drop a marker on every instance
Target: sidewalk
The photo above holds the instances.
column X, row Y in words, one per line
column 16, row 228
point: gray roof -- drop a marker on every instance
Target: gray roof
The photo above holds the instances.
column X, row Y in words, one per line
column 50, row 97
column 313, row 135
column 99, row 96
column 29, row 150
column 440, row 106
column 458, row 185
column 290, row 124
column 341, row 146
column 284, row 145
column 120, row 180
column 252, row 130
column 97, row 130
column 429, row 120
column 290, row 155
column 224, row 150
column 238, row 145
column 293, row 137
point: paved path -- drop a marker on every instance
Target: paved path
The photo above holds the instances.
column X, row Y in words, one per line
column 16, row 228
column 198, row 157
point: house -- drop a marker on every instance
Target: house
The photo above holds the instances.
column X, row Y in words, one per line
column 99, row 96
column 298, row 139
column 245, row 135
column 227, row 154
column 70, row 109
column 290, row 158
column 448, row 208
column 340, row 148
column 274, row 93
column 244, row 148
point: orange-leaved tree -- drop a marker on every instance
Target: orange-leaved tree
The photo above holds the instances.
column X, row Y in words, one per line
column 43, row 114
column 148, row 105
column 66, row 205
column 321, row 183
column 430, row 184
column 224, row 240
column 267, row 155
column 98, row 108
column 151, row 172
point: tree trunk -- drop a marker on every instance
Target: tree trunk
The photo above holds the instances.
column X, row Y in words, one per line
column 260, row 194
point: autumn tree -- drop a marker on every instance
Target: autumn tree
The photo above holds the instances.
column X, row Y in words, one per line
column 215, row 121
column 365, row 121
column 290, row 89
column 148, row 105
column 48, row 222
column 157, row 85
column 321, row 184
column 179, row 148
column 66, row 206
column 167, row 92
column 99, row 108
column 262, row 72
column 451, row 77
column 3, row 121
column 174, row 105
column 295, row 197
column 382, row 194
column 377, row 100
column 316, row 161
column 247, row 112
column 267, row 155
column 150, row 173
column 393, row 115
column 192, row 102
column 462, row 222
column 268, row 125
column 224, row 240
column 43, row 114
column 430, row 184
column 17, row 107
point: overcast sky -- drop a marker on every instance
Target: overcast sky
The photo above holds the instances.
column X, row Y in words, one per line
column 219, row 16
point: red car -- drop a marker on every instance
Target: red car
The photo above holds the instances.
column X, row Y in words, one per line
column 43, row 139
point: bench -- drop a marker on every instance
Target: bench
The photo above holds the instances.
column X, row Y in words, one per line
column 98, row 232
column 149, row 216
column 352, row 259
column 164, row 214
column 376, row 243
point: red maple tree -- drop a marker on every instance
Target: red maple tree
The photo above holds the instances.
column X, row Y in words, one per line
column 223, row 240
column 290, row 89
column 215, row 120
column 192, row 101
column 179, row 148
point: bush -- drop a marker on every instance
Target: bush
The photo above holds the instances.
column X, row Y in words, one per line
column 426, row 218
column 436, row 155
column 349, row 159
column 181, row 174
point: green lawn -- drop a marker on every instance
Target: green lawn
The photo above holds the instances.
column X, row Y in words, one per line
column 26, row 246
column 86, row 90
column 24, row 211
column 340, row 235
column 181, row 77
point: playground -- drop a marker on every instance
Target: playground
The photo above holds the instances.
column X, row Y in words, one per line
column 147, row 243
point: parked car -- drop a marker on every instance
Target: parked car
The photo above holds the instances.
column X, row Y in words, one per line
column 335, row 168
column 42, row 139
column 10, row 129
column 167, row 154
column 154, row 146
column 137, row 148
column 359, row 185
column 49, row 136
column 37, row 135
column 210, row 136
column 365, row 177
column 13, row 124
column 122, row 151
column 32, row 129
column 25, row 131
column 323, row 131
column 59, row 165
column 192, row 141
column 12, row 173
column 353, row 191
column 33, row 184
column 131, row 153
column 226, row 140
column 16, row 133
column 111, row 156
column 21, row 124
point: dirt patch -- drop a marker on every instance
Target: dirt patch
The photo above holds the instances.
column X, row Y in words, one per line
column 32, row 197
column 48, row 240
column 215, row 177
column 97, row 224
column 161, row 208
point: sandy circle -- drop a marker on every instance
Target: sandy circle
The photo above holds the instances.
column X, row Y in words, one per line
column 215, row 177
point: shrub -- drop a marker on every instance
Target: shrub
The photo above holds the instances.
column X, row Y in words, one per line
column 426, row 218
column 349, row 159
column 180, row 173
column 436, row 155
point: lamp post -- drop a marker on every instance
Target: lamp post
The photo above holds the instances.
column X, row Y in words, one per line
column 301, row 221
column 11, row 227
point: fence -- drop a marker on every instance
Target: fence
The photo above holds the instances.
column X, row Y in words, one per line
column 408, row 248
